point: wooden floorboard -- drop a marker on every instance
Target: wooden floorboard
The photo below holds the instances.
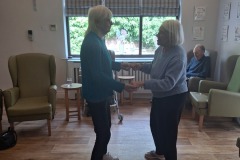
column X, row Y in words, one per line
column 130, row 140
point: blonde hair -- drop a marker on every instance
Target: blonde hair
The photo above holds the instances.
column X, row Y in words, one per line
column 95, row 14
column 174, row 30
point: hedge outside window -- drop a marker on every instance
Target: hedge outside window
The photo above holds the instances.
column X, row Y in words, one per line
column 136, row 23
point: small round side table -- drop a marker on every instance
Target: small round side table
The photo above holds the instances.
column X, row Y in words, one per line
column 69, row 87
column 129, row 80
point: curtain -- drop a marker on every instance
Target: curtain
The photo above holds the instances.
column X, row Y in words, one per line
column 126, row 7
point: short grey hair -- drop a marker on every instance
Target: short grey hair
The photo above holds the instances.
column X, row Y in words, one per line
column 201, row 47
column 97, row 13
column 175, row 32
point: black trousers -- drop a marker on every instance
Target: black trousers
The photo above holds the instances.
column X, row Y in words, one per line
column 101, row 118
column 164, row 119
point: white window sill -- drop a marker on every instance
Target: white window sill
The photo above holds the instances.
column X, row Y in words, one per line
column 144, row 59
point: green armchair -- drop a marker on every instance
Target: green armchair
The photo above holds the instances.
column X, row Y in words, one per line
column 193, row 82
column 33, row 95
column 217, row 98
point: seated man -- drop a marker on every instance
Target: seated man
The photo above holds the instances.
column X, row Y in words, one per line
column 199, row 65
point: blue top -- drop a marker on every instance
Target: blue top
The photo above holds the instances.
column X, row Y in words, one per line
column 199, row 68
column 96, row 65
column 167, row 71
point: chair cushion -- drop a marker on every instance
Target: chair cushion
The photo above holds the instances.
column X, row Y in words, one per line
column 199, row 100
column 30, row 106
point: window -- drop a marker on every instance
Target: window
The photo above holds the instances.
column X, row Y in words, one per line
column 134, row 29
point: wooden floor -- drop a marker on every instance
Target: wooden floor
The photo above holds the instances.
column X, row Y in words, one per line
column 130, row 140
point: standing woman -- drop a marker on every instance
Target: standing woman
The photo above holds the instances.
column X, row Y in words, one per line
column 97, row 79
column 169, row 88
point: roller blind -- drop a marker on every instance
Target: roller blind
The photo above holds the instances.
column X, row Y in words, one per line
column 126, row 7
column 79, row 7
column 160, row 8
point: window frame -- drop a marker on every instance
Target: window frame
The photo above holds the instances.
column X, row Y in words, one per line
column 140, row 55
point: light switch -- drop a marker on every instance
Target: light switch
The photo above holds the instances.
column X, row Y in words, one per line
column 52, row 27
column 30, row 35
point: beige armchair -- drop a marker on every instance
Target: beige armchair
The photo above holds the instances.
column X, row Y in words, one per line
column 193, row 82
column 217, row 98
column 238, row 145
column 1, row 109
column 33, row 96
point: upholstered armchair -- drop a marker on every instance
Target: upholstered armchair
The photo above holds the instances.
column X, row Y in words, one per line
column 1, row 109
column 217, row 98
column 193, row 82
column 238, row 145
column 33, row 95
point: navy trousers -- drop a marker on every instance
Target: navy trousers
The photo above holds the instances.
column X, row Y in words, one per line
column 101, row 118
column 164, row 119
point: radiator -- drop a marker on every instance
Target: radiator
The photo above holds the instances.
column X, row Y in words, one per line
column 77, row 75
column 139, row 76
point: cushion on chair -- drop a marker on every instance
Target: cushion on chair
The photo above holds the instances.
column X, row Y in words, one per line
column 31, row 106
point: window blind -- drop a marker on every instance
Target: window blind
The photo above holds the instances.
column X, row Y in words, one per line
column 125, row 7
column 160, row 8
column 79, row 7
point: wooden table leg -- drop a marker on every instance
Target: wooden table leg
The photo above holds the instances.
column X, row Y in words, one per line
column 67, row 104
column 130, row 95
column 121, row 97
column 78, row 104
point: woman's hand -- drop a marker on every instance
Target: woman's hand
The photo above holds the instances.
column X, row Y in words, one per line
column 130, row 87
column 136, row 66
column 137, row 84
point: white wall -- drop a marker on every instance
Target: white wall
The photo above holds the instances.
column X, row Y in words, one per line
column 210, row 22
column 18, row 16
column 229, row 47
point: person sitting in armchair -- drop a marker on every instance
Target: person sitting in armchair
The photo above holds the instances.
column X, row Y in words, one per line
column 199, row 65
column 197, row 69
